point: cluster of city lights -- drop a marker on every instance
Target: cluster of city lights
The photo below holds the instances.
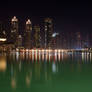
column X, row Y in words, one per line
column 3, row 39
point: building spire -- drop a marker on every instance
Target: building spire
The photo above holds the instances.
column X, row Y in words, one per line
column 14, row 19
column 28, row 21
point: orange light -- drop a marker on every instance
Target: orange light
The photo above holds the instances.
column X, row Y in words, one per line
column 2, row 65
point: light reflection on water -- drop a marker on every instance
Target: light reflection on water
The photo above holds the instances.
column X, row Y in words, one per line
column 35, row 70
column 57, row 56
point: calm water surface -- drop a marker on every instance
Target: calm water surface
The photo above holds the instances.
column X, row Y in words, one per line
column 65, row 72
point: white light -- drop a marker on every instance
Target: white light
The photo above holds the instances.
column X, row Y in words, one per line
column 14, row 19
column 54, row 67
column 28, row 21
column 55, row 34
column 3, row 39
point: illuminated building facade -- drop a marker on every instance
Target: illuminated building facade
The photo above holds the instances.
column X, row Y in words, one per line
column 19, row 41
column 42, row 36
column 3, row 38
column 71, row 40
column 14, row 31
column 27, row 35
column 78, row 40
column 37, row 37
column 48, row 32
column 55, row 41
column 1, row 29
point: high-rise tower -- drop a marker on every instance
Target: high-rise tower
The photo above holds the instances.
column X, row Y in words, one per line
column 48, row 32
column 28, row 31
column 14, row 30
column 78, row 40
column 37, row 37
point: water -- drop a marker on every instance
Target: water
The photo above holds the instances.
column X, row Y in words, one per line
column 65, row 72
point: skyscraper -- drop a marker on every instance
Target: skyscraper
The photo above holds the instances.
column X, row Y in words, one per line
column 27, row 33
column 37, row 37
column 19, row 41
column 14, row 30
column 78, row 40
column 48, row 32
column 0, row 29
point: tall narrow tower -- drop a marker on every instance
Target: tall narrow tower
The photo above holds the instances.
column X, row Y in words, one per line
column 37, row 37
column 48, row 32
column 28, row 31
column 14, row 30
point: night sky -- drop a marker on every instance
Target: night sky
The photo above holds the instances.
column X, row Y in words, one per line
column 67, row 16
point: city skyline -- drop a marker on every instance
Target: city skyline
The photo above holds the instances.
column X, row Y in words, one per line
column 45, row 46
column 43, row 36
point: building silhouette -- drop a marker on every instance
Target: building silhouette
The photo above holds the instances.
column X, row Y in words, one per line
column 48, row 32
column 19, row 41
column 14, row 31
column 37, row 37
column 27, row 35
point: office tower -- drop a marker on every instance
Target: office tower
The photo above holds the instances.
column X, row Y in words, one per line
column 0, row 29
column 86, row 40
column 14, row 31
column 37, row 37
column 48, row 32
column 27, row 35
column 78, row 40
column 19, row 41
column 72, row 40
column 63, row 40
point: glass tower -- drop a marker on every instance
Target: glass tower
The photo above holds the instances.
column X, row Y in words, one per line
column 48, row 32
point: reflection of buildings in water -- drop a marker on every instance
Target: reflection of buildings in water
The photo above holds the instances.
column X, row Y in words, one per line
column 82, row 56
column 59, row 55
column 27, row 55
column 90, row 57
column 32, row 55
column 72, row 55
column 54, row 67
column 20, row 66
column 35, row 55
column 42, row 55
column 39, row 55
column 86, row 57
column 28, row 79
column 56, row 53
column 14, row 55
column 22, row 55
column 62, row 56
column 37, row 70
column 13, row 77
column 17, row 56
column 79, row 67
column 3, row 63
column 48, row 55
column 13, row 83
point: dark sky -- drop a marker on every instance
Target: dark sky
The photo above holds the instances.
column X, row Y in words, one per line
column 67, row 16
